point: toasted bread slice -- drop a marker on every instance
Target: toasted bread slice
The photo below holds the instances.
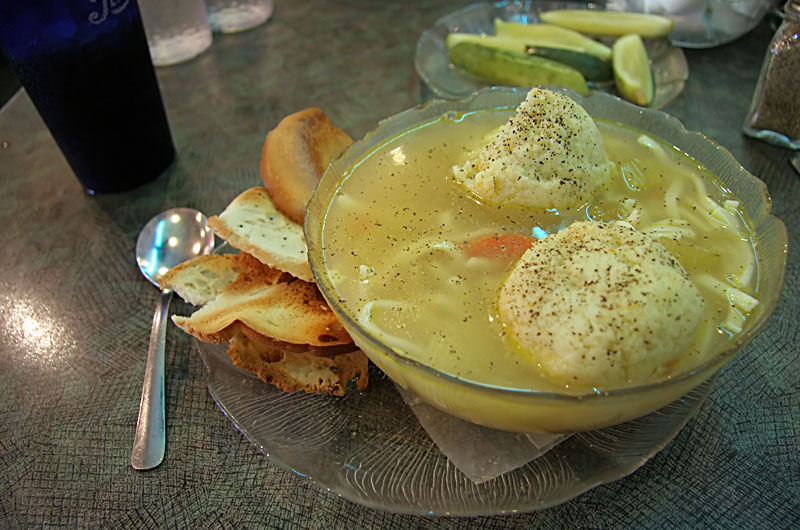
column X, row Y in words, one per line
column 291, row 312
column 294, row 156
column 291, row 371
column 252, row 224
column 200, row 279
column 293, row 317
column 253, row 272
column 278, row 347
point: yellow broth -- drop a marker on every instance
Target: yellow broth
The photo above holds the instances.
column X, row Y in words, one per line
column 395, row 233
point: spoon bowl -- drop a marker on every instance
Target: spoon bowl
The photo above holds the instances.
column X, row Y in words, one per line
column 170, row 238
column 167, row 240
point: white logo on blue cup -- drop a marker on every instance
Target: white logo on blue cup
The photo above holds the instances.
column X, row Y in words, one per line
column 113, row 6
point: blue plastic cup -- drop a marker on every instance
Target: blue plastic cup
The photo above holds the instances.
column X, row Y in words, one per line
column 86, row 66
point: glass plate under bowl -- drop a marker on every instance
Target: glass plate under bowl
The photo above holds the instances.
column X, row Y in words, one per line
column 369, row 448
column 432, row 62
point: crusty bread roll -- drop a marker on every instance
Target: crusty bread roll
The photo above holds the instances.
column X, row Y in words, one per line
column 294, row 156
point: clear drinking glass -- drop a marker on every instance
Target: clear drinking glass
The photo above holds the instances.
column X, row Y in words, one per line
column 229, row 16
column 177, row 30
column 86, row 67
column 775, row 110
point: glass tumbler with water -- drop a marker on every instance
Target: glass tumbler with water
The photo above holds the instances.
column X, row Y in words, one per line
column 228, row 16
column 86, row 67
column 177, row 30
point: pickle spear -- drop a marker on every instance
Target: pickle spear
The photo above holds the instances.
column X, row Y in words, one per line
column 590, row 67
column 551, row 36
column 609, row 23
column 512, row 68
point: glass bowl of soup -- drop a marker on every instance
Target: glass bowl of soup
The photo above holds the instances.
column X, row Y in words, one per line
column 388, row 230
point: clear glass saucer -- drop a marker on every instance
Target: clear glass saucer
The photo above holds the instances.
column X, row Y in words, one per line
column 369, row 448
column 670, row 69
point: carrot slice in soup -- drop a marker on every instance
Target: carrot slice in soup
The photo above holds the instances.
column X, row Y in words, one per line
column 502, row 246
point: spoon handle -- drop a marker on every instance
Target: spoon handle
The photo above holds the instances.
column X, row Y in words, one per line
column 150, row 439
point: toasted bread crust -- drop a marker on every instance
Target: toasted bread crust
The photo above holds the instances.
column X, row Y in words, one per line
column 268, row 343
column 294, row 156
column 292, row 371
column 253, row 272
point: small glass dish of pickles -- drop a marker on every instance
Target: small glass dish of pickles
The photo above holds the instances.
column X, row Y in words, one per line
column 512, row 43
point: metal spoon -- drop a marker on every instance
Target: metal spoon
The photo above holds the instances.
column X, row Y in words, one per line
column 166, row 240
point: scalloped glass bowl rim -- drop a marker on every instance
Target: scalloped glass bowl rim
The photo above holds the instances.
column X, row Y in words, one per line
column 389, row 128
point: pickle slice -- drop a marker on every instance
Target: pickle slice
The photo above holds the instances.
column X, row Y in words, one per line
column 609, row 23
